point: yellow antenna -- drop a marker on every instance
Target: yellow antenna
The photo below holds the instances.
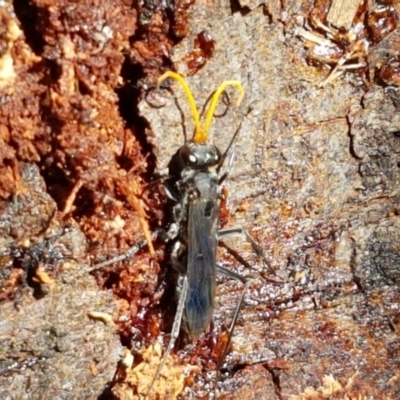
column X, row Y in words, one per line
column 201, row 133
column 181, row 80
column 210, row 113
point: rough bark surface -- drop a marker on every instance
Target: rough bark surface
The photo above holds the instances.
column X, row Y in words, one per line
column 315, row 179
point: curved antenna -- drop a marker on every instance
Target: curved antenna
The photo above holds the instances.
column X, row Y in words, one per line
column 201, row 132
column 214, row 101
column 185, row 86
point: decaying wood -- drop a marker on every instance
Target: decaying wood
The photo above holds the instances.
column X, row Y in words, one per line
column 342, row 12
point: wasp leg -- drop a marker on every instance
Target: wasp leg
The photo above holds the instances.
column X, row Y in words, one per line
column 233, row 275
column 176, row 326
column 221, row 270
column 256, row 247
column 228, row 169
column 224, row 271
column 231, row 158
column 129, row 253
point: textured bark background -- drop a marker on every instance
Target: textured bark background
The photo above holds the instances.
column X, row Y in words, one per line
column 315, row 179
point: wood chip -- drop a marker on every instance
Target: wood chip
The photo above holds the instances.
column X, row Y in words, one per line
column 100, row 316
column 342, row 13
column 42, row 277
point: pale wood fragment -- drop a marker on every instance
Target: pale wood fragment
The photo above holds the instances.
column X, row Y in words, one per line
column 342, row 13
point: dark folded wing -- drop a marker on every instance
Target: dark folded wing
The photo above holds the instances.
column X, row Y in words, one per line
column 202, row 251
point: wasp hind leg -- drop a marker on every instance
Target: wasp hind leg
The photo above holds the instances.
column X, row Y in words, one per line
column 223, row 233
column 256, row 247
column 176, row 326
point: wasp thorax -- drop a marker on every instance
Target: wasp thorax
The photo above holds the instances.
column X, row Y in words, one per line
column 199, row 155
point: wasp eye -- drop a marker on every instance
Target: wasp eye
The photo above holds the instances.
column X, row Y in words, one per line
column 188, row 158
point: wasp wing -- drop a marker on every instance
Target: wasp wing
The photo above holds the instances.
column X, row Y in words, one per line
column 202, row 252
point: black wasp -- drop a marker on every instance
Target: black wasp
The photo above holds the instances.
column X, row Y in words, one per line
column 193, row 187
